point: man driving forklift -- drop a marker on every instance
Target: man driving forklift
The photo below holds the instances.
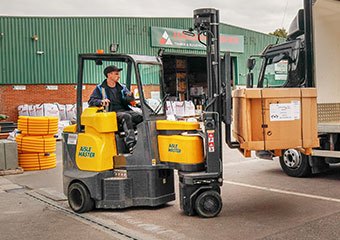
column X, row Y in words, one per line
column 96, row 174
column 115, row 97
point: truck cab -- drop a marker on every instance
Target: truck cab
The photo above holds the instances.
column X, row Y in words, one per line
column 283, row 64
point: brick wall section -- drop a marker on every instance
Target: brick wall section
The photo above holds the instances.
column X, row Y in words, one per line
column 36, row 94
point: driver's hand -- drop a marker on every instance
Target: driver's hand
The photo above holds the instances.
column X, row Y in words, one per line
column 105, row 102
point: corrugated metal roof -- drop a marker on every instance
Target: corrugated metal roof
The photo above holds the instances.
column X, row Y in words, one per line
column 52, row 58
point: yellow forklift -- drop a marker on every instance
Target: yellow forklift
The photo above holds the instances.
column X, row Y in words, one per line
column 99, row 172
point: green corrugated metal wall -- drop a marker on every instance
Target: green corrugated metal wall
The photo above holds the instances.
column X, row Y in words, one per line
column 62, row 39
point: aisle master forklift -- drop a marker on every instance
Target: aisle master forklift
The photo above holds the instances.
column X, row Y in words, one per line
column 99, row 171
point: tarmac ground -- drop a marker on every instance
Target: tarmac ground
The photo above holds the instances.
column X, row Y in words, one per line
column 259, row 202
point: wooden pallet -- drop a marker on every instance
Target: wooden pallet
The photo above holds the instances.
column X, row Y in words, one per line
column 7, row 127
column 4, row 135
column 18, row 170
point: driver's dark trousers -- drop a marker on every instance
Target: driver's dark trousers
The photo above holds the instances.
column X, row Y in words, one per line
column 129, row 120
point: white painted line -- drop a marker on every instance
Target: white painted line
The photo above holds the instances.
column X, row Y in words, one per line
column 283, row 191
column 241, row 162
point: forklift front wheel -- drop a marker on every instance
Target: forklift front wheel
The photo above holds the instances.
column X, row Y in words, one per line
column 208, row 204
column 79, row 198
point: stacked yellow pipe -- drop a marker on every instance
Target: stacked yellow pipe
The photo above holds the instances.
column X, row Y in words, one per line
column 37, row 161
column 36, row 143
column 38, row 125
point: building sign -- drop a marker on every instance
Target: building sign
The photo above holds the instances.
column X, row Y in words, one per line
column 51, row 87
column 19, row 87
column 175, row 38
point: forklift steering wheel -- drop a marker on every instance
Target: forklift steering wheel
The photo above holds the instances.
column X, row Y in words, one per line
column 150, row 108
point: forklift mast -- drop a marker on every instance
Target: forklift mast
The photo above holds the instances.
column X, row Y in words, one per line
column 206, row 23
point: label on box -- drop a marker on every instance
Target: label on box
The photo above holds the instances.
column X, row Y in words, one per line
column 72, row 139
column 284, row 111
column 296, row 109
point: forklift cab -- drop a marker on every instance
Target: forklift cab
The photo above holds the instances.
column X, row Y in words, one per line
column 142, row 75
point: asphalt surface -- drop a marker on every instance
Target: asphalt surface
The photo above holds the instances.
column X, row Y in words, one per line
column 259, row 202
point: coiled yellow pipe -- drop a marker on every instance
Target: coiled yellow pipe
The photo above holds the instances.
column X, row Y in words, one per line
column 38, row 125
column 37, row 161
column 36, row 144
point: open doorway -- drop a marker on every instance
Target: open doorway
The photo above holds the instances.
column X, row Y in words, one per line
column 182, row 74
column 185, row 77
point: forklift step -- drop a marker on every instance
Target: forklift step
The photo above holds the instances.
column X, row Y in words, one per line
column 199, row 178
column 117, row 193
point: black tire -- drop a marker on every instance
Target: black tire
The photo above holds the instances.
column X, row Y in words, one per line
column 79, row 198
column 208, row 204
column 295, row 164
column 187, row 212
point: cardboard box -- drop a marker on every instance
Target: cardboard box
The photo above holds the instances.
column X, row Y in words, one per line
column 196, row 91
column 275, row 118
column 181, row 63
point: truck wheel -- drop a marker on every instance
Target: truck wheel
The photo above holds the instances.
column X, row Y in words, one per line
column 208, row 204
column 79, row 198
column 295, row 164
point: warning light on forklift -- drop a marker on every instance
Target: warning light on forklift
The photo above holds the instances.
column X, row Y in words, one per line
column 100, row 51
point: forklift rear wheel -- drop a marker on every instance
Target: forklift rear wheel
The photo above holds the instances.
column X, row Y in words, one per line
column 295, row 163
column 79, row 198
column 208, row 204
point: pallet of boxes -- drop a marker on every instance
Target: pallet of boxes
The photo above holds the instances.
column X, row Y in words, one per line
column 37, row 142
